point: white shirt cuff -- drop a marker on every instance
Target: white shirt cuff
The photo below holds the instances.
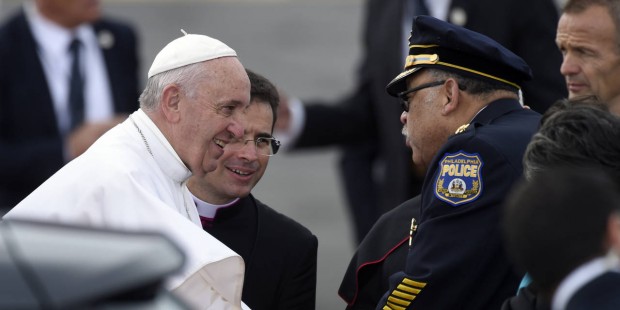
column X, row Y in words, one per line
column 298, row 120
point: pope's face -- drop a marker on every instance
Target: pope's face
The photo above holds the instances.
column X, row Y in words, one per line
column 240, row 167
column 214, row 116
column 591, row 55
column 70, row 13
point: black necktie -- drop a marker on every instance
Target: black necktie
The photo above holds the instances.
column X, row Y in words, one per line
column 76, row 86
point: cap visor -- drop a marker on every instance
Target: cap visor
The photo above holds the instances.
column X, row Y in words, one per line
column 398, row 84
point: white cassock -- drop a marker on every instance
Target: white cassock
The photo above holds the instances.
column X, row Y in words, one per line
column 132, row 179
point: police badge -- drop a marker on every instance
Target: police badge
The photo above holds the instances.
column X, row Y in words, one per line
column 459, row 179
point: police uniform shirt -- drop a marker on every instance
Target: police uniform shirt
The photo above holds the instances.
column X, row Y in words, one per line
column 456, row 260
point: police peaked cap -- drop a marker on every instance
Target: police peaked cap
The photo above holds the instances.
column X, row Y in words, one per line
column 437, row 44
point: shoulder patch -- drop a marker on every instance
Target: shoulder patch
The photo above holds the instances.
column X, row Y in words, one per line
column 459, row 180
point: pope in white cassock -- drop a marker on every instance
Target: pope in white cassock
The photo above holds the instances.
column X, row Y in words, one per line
column 134, row 176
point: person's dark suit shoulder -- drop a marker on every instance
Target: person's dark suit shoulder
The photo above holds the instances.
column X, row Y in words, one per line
column 601, row 293
column 289, row 257
column 284, row 228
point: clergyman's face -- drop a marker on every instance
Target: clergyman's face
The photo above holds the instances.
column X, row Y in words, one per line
column 241, row 167
column 591, row 54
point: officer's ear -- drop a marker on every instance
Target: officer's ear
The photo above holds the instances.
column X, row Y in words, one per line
column 452, row 96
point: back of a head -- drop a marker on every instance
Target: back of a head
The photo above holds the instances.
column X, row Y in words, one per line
column 574, row 133
column 558, row 221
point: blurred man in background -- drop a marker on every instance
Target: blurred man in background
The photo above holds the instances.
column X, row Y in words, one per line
column 588, row 35
column 67, row 75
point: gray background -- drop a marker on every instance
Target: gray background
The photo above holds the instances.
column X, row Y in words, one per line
column 308, row 48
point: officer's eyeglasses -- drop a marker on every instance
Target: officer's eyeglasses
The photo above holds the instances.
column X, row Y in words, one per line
column 404, row 96
column 266, row 146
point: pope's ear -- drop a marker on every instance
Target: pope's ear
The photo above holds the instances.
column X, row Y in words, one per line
column 170, row 102
column 452, row 96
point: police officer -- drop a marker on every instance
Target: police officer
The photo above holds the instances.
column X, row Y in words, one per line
column 464, row 122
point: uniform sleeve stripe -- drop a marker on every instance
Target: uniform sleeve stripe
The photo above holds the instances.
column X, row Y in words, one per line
column 398, row 301
column 403, row 295
column 408, row 289
column 395, row 307
column 414, row 283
